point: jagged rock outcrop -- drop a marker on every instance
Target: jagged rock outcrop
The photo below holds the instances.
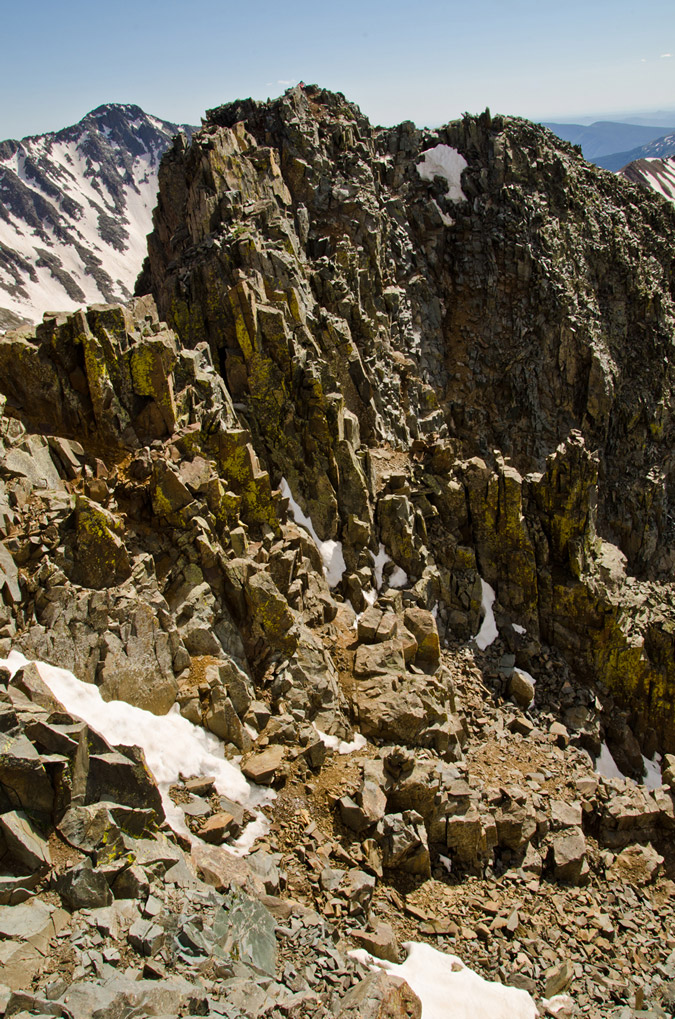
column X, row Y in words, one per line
column 273, row 378
column 497, row 303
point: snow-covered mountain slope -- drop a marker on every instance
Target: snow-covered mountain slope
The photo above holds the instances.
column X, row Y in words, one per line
column 660, row 148
column 658, row 174
column 75, row 208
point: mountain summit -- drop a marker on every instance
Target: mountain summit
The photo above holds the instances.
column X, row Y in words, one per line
column 75, row 206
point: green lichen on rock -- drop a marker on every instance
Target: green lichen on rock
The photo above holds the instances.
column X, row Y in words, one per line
column 101, row 556
column 151, row 363
column 272, row 618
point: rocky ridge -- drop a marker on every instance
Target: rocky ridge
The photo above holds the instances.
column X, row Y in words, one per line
column 474, row 333
column 450, row 389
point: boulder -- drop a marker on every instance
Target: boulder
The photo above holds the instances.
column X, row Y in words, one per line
column 124, row 994
column 101, row 558
column 406, row 708
column 245, row 930
column 404, row 844
column 381, row 943
column 569, row 856
column 263, row 768
column 521, row 688
column 668, row 770
column 516, row 826
column 565, row 815
column 380, row 659
column 422, row 624
column 470, row 837
column 376, row 625
column 139, row 669
column 24, row 782
column 82, row 887
column 146, row 937
column 270, row 616
column 28, row 680
column 24, row 843
column 380, row 996
column 635, row 865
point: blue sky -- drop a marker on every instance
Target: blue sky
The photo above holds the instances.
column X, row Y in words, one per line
column 543, row 60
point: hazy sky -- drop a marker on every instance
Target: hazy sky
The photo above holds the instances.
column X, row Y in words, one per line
column 543, row 59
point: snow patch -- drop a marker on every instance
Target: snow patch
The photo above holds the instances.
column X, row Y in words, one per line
column 518, row 628
column 342, row 747
column 172, row 745
column 446, row 862
column 605, row 764
column 444, row 161
column 450, row 990
column 447, row 220
column 378, row 565
column 488, row 632
column 330, row 551
column 398, row 577
column 652, row 772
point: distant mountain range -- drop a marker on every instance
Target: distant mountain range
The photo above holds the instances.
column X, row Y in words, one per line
column 649, row 161
column 75, row 208
column 606, row 138
column 659, row 148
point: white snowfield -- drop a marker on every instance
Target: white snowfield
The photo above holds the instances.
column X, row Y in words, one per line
column 606, row 766
column 172, row 745
column 397, row 577
column 662, row 177
column 444, row 161
column 450, row 990
column 341, row 746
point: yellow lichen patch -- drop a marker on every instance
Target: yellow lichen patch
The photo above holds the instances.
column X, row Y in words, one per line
column 243, row 307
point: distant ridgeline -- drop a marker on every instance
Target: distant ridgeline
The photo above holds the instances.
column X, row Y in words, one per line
column 75, row 208
column 641, row 154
